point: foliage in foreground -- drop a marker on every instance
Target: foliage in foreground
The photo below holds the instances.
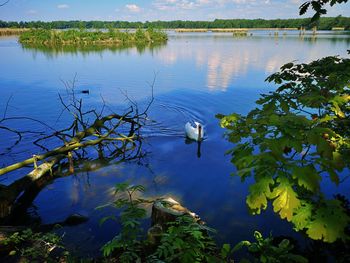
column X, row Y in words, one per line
column 30, row 246
column 318, row 7
column 297, row 137
column 184, row 240
column 265, row 251
column 83, row 37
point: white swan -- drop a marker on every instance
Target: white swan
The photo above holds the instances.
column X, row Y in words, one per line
column 194, row 133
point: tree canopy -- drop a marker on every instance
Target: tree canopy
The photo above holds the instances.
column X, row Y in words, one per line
column 324, row 23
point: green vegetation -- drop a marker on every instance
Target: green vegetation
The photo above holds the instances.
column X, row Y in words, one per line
column 318, row 7
column 12, row 31
column 297, row 137
column 84, row 37
column 266, row 251
column 324, row 23
column 183, row 240
column 28, row 246
column 127, row 243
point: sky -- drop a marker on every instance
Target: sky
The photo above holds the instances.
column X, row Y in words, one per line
column 142, row 10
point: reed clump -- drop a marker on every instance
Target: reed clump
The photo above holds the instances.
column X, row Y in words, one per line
column 12, row 31
column 84, row 37
column 338, row 28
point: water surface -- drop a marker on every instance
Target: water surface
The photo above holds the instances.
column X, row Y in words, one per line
column 197, row 75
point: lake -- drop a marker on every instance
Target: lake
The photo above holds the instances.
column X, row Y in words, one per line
column 196, row 75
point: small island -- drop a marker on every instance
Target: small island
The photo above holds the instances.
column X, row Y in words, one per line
column 51, row 37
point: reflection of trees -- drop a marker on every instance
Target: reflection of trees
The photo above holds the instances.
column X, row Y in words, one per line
column 55, row 51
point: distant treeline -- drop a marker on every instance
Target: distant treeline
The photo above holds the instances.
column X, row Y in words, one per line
column 325, row 23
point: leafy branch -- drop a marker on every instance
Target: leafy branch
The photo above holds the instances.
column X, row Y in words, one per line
column 318, row 7
column 298, row 136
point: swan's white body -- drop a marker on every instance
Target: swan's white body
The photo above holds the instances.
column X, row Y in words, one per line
column 194, row 133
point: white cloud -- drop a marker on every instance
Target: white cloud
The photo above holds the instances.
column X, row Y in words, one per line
column 62, row 6
column 178, row 4
column 296, row 1
column 197, row 4
column 133, row 8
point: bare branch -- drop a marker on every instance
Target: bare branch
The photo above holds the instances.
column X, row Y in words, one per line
column 4, row 3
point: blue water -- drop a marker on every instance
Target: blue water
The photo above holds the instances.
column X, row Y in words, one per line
column 197, row 75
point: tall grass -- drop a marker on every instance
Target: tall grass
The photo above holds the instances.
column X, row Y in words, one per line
column 83, row 37
column 12, row 31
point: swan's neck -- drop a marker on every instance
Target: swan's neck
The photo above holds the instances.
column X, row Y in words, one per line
column 199, row 132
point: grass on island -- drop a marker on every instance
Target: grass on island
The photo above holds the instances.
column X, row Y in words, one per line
column 84, row 37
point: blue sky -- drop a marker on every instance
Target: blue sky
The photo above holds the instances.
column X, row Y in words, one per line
column 48, row 10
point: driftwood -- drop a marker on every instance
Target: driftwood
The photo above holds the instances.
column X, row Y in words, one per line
column 164, row 211
column 167, row 210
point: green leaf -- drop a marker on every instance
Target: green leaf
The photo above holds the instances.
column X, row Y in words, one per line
column 302, row 216
column 259, row 192
column 240, row 245
column 121, row 187
column 329, row 222
column 308, row 177
column 334, row 176
column 338, row 161
column 303, row 8
column 285, row 106
column 225, row 250
column 316, row 5
column 286, row 199
column 287, row 66
column 325, row 149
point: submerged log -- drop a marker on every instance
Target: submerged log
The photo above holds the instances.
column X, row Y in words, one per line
column 10, row 193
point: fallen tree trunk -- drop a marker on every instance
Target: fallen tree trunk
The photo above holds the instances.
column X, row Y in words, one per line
column 102, row 131
column 75, row 142
column 10, row 193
